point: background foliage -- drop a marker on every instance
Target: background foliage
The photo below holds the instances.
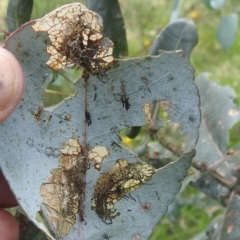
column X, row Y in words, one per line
column 193, row 210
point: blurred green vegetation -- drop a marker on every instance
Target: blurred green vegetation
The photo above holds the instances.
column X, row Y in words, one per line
column 144, row 20
column 192, row 219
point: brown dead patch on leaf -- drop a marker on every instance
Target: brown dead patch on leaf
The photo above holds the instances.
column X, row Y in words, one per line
column 147, row 111
column 98, row 154
column 145, row 206
column 113, row 185
column 77, row 38
column 136, row 237
column 37, row 115
column 230, row 227
column 165, row 104
column 67, row 117
column 62, row 193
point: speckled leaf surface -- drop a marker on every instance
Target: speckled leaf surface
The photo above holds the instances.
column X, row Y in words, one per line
column 219, row 114
column 30, row 147
column 224, row 226
column 229, row 229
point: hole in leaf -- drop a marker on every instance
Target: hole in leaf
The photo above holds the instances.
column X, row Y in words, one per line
column 59, row 86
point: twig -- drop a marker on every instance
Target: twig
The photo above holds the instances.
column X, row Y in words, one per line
column 6, row 33
column 219, row 178
column 169, row 146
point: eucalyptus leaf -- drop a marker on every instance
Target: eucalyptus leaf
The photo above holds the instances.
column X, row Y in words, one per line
column 211, row 231
column 175, row 10
column 214, row 4
column 207, row 184
column 219, row 114
column 201, row 236
column 114, row 27
column 214, row 227
column 18, row 13
column 180, row 34
column 227, row 30
column 35, row 138
column 230, row 228
column 226, row 226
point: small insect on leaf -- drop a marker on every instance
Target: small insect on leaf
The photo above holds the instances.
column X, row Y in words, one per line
column 88, row 118
column 77, row 38
column 113, row 185
column 125, row 102
column 37, row 115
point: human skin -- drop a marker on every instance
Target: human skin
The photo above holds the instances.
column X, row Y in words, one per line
column 11, row 91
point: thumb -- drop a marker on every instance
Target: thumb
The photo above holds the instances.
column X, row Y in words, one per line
column 11, row 83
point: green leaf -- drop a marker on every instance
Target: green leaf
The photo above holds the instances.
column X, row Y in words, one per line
column 181, row 34
column 18, row 13
column 33, row 139
column 227, row 30
column 113, row 22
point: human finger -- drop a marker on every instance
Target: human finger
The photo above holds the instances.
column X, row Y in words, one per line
column 11, row 83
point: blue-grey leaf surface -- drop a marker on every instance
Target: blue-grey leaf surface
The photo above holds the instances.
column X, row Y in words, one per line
column 180, row 34
column 31, row 147
column 219, row 114
column 227, row 30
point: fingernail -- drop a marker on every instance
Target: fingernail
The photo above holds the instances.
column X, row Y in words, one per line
column 8, row 82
